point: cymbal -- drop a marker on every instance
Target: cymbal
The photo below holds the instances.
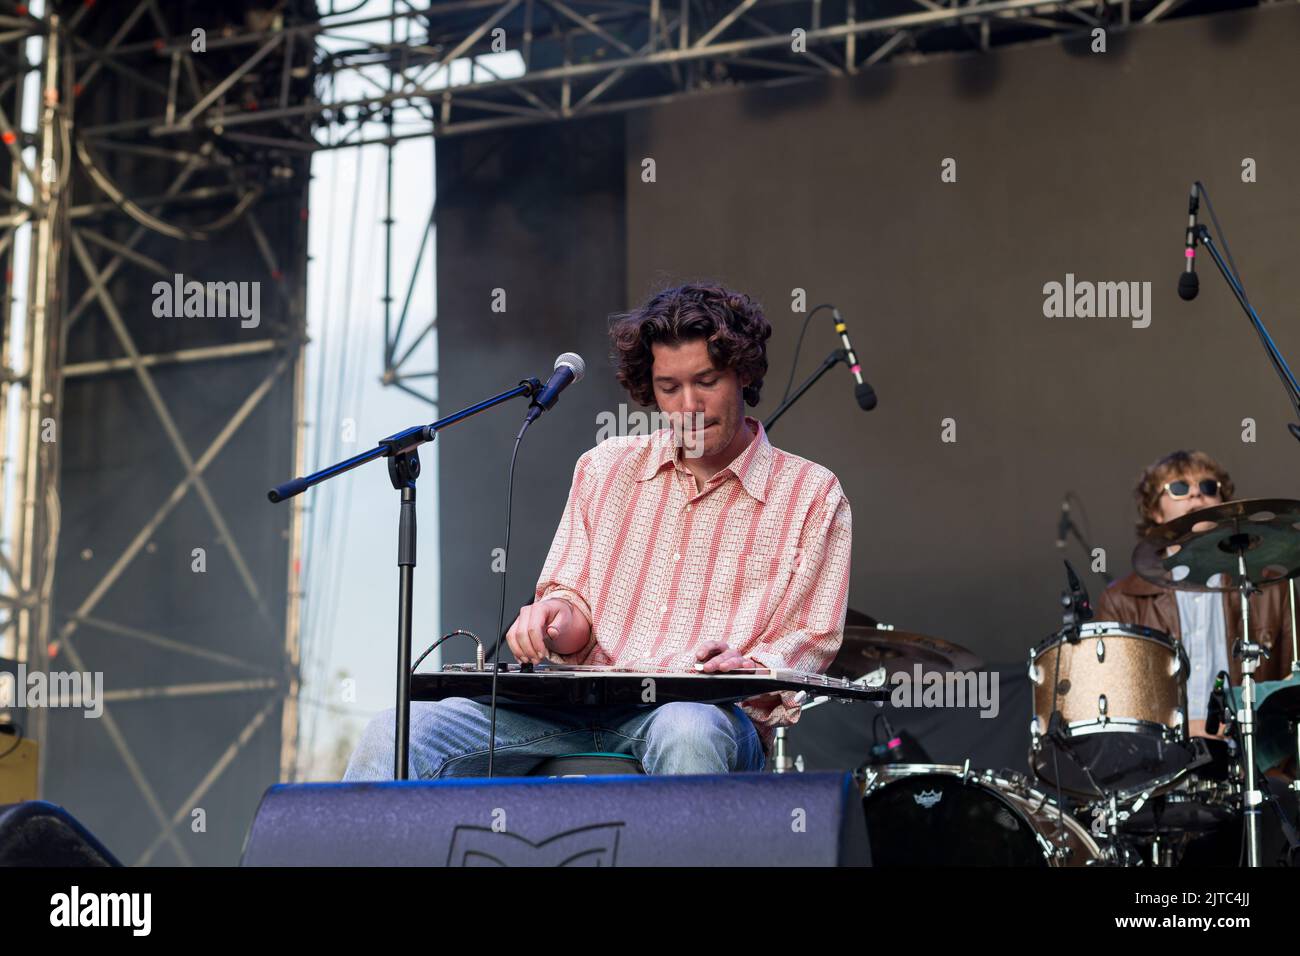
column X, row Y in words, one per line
column 867, row 648
column 1198, row 552
column 853, row 616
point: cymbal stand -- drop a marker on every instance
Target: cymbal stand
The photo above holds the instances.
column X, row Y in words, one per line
column 1249, row 653
column 1295, row 670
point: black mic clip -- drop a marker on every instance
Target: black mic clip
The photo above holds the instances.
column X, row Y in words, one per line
column 1056, row 730
column 1077, row 604
column 1188, row 282
column 1219, row 712
column 1065, row 523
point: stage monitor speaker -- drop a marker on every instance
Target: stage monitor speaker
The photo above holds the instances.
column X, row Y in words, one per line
column 744, row 819
column 42, row 834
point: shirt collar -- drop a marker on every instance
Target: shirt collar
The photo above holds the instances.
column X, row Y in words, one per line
column 752, row 466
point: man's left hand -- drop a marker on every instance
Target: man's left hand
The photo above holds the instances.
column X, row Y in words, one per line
column 718, row 657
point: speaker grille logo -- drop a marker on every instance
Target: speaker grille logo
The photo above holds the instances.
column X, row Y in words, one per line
column 595, row 845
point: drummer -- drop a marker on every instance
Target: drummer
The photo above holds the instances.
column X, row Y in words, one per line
column 1209, row 622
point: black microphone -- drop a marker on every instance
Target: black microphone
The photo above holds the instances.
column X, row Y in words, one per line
column 865, row 394
column 569, row 368
column 1188, row 283
column 1063, row 526
column 1080, row 603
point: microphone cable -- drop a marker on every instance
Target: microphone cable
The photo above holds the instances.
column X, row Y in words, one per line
column 794, row 366
column 501, row 615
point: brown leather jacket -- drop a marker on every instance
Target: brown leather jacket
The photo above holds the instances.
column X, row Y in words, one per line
column 1134, row 600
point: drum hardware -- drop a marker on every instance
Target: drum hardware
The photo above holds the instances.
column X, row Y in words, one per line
column 781, row 762
column 1241, row 546
column 1295, row 674
column 1050, row 851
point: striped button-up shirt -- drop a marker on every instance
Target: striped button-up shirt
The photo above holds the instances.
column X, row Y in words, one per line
column 758, row 558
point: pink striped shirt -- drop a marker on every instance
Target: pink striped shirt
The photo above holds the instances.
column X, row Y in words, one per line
column 759, row 559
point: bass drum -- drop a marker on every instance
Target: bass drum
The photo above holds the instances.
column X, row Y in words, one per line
column 939, row 815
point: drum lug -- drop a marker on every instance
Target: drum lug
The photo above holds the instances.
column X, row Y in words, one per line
column 1051, row 851
column 1101, row 650
column 1035, row 675
column 1102, row 705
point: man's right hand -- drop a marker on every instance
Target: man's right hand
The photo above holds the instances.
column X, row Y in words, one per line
column 550, row 625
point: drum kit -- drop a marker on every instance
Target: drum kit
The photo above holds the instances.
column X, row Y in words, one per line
column 1115, row 779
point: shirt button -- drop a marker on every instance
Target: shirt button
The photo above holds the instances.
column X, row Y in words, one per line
column 688, row 507
column 677, row 557
column 664, row 609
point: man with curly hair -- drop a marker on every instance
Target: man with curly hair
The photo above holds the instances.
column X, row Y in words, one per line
column 1208, row 623
column 698, row 548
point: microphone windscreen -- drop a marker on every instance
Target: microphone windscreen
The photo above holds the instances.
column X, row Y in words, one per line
column 575, row 362
column 866, row 396
column 1188, row 285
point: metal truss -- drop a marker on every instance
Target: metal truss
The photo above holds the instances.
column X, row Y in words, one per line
column 36, row 208
column 572, row 59
column 34, row 204
column 583, row 58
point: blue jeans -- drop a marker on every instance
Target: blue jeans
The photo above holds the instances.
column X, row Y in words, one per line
column 449, row 739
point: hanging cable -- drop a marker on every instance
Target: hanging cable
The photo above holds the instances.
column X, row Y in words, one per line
column 150, row 221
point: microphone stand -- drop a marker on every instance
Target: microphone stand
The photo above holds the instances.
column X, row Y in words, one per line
column 1086, row 545
column 782, row 763
column 403, row 456
column 1202, row 234
column 837, row 356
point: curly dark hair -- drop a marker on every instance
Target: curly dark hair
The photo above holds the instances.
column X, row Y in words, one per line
column 1155, row 476
column 732, row 324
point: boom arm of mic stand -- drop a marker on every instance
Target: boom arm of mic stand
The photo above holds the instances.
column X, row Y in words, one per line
column 839, row 355
column 1274, row 356
column 402, row 441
